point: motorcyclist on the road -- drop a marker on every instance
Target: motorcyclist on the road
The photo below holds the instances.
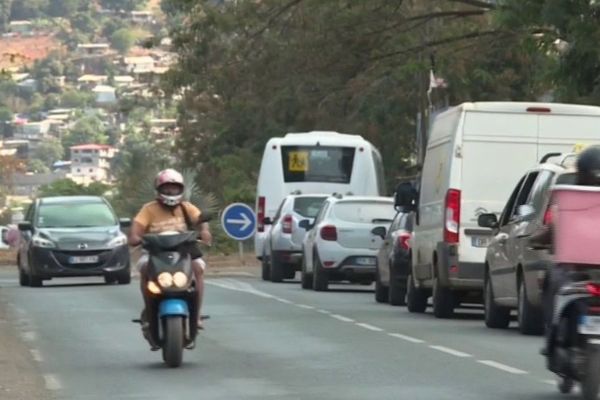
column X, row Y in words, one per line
column 168, row 212
column 587, row 174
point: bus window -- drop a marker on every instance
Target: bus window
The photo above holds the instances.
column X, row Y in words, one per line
column 317, row 163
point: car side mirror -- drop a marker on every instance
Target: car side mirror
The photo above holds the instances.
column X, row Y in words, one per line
column 124, row 222
column 405, row 197
column 379, row 231
column 305, row 224
column 267, row 221
column 25, row 226
column 488, row 221
column 525, row 212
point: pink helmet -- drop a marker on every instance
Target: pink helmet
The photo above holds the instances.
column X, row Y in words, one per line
column 169, row 176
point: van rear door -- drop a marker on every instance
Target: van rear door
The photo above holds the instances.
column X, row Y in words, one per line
column 560, row 132
column 496, row 149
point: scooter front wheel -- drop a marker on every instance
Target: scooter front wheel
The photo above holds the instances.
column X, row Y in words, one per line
column 565, row 385
column 173, row 340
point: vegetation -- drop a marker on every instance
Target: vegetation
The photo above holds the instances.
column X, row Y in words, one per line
column 66, row 187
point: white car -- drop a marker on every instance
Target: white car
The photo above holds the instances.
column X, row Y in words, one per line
column 283, row 244
column 340, row 244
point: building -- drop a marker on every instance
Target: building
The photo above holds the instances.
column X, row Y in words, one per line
column 142, row 17
column 93, row 49
column 91, row 163
column 105, row 95
column 20, row 27
column 29, row 184
column 139, row 65
column 32, row 131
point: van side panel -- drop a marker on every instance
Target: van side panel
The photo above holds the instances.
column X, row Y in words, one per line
column 435, row 182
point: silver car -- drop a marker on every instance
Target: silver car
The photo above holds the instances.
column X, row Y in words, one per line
column 283, row 243
column 341, row 244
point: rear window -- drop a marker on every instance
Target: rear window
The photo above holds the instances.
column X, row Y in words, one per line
column 364, row 212
column 75, row 215
column 317, row 163
column 308, row 207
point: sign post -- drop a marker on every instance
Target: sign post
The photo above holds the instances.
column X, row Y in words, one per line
column 239, row 223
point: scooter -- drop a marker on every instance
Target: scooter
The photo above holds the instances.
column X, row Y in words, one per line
column 171, row 286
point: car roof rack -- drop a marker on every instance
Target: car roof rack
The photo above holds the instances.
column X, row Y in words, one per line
column 549, row 156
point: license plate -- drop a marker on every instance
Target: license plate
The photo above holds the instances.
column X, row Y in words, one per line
column 83, row 259
column 589, row 325
column 365, row 261
column 480, row 241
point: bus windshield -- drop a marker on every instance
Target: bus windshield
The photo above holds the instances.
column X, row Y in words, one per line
column 317, row 163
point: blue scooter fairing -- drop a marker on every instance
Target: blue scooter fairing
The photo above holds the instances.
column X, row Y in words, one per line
column 169, row 307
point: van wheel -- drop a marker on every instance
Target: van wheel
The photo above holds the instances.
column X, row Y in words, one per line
column 443, row 300
column 531, row 319
column 496, row 317
column 397, row 291
column 276, row 268
column 416, row 298
column 320, row 279
column 381, row 292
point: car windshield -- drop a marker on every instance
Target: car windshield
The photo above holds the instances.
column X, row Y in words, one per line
column 365, row 212
column 308, row 207
column 75, row 215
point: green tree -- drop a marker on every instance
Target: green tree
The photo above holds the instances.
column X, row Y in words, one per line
column 125, row 5
column 85, row 23
column 28, row 9
column 86, row 130
column 76, row 99
column 5, row 7
column 122, row 40
column 49, row 151
column 6, row 114
column 66, row 187
column 37, row 166
column 64, row 8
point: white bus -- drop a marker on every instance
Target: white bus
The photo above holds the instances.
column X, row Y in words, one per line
column 314, row 162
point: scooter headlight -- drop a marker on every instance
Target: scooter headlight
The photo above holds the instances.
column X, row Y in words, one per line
column 153, row 288
column 180, row 279
column 165, row 279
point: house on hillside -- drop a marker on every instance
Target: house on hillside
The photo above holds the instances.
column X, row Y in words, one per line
column 91, row 163
column 93, row 49
column 139, row 65
column 105, row 95
column 124, row 81
column 89, row 81
column 29, row 184
column 24, row 27
column 141, row 17
column 32, row 131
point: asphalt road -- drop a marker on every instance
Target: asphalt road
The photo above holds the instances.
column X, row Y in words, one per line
column 271, row 341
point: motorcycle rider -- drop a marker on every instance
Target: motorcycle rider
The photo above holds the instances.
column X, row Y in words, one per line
column 587, row 174
column 168, row 212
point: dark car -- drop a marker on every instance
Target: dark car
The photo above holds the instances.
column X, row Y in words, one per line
column 514, row 271
column 72, row 236
column 393, row 261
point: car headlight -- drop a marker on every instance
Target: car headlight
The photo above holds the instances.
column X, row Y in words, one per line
column 180, row 279
column 39, row 241
column 165, row 279
column 118, row 241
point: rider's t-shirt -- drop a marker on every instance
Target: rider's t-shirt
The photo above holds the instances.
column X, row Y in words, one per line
column 155, row 217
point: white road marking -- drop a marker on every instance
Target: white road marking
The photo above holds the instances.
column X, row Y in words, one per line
column 52, row 382
column 323, row 312
column 369, row 327
column 305, row 306
column 37, row 356
column 284, row 301
column 405, row 337
column 450, row 351
column 502, row 367
column 341, row 318
column 239, row 286
column 548, row 382
column 29, row 336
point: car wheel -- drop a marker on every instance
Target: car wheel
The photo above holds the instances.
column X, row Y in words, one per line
column 23, row 278
column 531, row 319
column 305, row 277
column 124, row 277
column 320, row 279
column 397, row 290
column 266, row 270
column 276, row 268
column 496, row 317
column 416, row 297
column 443, row 300
column 381, row 292
column 109, row 279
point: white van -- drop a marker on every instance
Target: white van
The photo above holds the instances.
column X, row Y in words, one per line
column 313, row 163
column 475, row 154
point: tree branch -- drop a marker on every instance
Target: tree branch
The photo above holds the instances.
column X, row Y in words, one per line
column 272, row 19
column 476, row 3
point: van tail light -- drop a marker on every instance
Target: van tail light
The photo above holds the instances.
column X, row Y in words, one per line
column 286, row 224
column 452, row 216
column 261, row 214
column 404, row 240
column 329, row 232
column 593, row 289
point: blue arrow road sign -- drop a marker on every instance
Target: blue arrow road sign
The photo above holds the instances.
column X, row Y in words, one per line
column 238, row 221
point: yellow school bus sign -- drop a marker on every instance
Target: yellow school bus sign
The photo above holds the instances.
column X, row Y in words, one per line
column 298, row 161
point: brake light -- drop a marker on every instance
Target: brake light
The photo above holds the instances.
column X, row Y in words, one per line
column 593, row 289
column 261, row 214
column 404, row 241
column 548, row 216
column 539, row 110
column 329, row 232
column 287, row 224
column 452, row 216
